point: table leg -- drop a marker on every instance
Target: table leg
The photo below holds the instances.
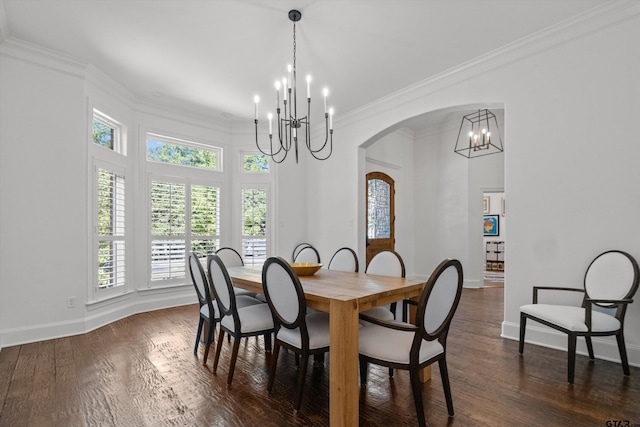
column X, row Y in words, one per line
column 343, row 368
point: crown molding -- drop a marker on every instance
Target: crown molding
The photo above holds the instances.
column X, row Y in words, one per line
column 4, row 27
column 184, row 113
column 382, row 163
column 599, row 18
column 59, row 62
column 41, row 56
column 101, row 81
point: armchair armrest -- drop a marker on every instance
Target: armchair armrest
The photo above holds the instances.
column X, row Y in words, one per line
column 387, row 324
column 589, row 302
column 552, row 288
column 405, row 304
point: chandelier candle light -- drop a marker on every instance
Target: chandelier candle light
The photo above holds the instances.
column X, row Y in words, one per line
column 287, row 121
column 481, row 141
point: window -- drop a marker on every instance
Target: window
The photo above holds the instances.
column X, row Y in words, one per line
column 168, row 204
column 107, row 133
column 184, row 218
column 255, row 163
column 379, row 209
column 380, row 213
column 205, row 223
column 184, row 205
column 108, row 213
column 254, row 225
column 111, row 229
column 177, row 152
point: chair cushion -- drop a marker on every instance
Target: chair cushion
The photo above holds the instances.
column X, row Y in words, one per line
column 241, row 301
column 572, row 318
column 240, row 291
column 245, row 301
column 318, row 327
column 392, row 345
column 204, row 310
column 382, row 312
column 253, row 318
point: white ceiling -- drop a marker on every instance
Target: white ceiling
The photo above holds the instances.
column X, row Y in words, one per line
column 217, row 54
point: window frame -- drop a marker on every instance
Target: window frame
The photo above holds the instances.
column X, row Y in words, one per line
column 116, row 161
column 188, row 236
column 185, row 143
column 243, row 171
column 119, row 142
column 269, row 223
column 97, row 294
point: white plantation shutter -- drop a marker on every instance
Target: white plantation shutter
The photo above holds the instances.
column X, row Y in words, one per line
column 205, row 219
column 110, row 229
column 254, row 225
column 168, row 221
column 184, row 218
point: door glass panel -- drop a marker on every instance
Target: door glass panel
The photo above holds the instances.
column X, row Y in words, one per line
column 379, row 209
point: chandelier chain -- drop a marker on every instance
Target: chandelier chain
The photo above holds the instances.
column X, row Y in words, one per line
column 294, row 45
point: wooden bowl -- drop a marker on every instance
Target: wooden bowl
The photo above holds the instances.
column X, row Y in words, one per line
column 305, row 268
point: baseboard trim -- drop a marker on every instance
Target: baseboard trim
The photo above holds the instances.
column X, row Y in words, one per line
column 604, row 348
column 94, row 320
column 472, row 283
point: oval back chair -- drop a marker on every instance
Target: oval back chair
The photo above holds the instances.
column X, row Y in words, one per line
column 610, row 282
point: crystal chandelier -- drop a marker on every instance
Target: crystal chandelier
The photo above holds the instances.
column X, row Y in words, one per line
column 289, row 125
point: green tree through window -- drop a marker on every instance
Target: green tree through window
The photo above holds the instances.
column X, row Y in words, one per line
column 254, row 225
column 103, row 134
column 256, row 163
column 176, row 154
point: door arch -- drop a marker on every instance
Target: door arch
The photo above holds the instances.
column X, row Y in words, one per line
column 380, row 213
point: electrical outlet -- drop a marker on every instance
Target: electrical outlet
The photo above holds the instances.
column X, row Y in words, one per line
column 71, row 302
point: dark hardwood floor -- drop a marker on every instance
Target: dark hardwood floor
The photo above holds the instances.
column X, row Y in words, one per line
column 141, row 371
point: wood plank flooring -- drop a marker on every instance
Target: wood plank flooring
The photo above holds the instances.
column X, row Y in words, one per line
column 141, row 371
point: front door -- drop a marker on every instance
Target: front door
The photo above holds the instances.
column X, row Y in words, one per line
column 380, row 213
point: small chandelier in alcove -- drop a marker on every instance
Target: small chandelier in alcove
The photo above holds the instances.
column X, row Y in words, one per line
column 479, row 135
column 290, row 126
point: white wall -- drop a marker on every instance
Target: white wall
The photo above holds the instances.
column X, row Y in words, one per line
column 43, row 251
column 448, row 194
column 393, row 155
column 45, row 109
column 571, row 104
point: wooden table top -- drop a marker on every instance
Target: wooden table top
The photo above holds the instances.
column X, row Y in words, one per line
column 342, row 295
column 367, row 290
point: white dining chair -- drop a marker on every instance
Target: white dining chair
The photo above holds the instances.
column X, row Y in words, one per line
column 238, row 322
column 208, row 313
column 307, row 254
column 385, row 263
column 232, row 258
column 297, row 249
column 344, row 259
column 400, row 345
column 295, row 329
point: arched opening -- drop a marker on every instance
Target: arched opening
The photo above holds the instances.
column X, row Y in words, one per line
column 439, row 194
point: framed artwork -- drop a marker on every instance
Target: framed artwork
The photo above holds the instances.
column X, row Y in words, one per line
column 485, row 205
column 491, row 225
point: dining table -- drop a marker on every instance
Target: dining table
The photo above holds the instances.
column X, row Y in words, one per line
column 343, row 295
